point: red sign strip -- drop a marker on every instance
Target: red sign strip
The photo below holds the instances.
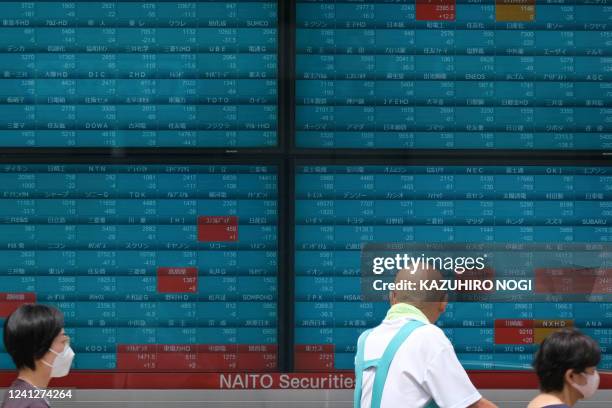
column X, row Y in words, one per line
column 237, row 381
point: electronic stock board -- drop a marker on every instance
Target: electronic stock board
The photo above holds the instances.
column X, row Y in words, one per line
column 453, row 74
column 339, row 208
column 100, row 74
column 156, row 267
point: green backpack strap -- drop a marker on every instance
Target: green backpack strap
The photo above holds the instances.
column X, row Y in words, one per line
column 359, row 367
column 387, row 358
column 382, row 364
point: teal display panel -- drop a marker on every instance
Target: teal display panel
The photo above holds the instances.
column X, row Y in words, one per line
column 156, row 267
column 453, row 74
column 105, row 74
column 340, row 208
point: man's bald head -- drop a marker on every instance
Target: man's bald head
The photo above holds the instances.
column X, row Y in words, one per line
column 430, row 302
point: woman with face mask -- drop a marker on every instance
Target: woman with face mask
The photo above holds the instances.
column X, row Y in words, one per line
column 566, row 365
column 35, row 339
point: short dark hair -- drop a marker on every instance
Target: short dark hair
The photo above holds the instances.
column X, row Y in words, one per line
column 29, row 332
column 561, row 351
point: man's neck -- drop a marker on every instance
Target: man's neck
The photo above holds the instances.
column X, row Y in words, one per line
column 401, row 309
column 35, row 377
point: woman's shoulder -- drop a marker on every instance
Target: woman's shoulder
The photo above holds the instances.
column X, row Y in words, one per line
column 16, row 396
column 546, row 401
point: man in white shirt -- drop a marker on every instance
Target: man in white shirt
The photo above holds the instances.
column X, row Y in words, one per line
column 407, row 361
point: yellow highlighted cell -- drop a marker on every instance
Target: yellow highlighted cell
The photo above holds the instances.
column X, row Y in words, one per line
column 515, row 10
column 540, row 334
column 553, row 323
column 543, row 328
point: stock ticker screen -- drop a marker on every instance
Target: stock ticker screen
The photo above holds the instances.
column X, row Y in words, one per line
column 454, row 74
column 339, row 208
column 167, row 267
column 138, row 74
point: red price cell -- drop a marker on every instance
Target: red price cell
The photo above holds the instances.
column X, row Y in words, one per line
column 514, row 323
column 586, row 281
column 218, row 229
column 314, row 357
column 136, row 356
column 177, row 357
column 218, row 362
column 11, row 301
column 513, row 336
column 257, row 361
column 177, row 280
column 435, row 10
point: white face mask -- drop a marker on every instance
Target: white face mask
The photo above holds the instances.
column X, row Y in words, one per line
column 587, row 390
column 61, row 364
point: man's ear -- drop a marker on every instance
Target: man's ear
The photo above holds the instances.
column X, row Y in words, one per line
column 392, row 297
column 443, row 303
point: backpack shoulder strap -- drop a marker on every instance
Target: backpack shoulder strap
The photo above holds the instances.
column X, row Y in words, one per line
column 385, row 361
column 382, row 365
column 359, row 367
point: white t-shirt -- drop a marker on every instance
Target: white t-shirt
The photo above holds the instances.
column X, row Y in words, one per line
column 424, row 367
